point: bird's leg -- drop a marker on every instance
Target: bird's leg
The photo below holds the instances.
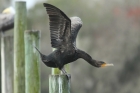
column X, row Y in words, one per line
column 64, row 72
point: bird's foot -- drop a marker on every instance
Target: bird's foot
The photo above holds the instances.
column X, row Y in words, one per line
column 68, row 76
column 64, row 72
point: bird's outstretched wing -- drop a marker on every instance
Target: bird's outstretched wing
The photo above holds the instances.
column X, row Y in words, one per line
column 76, row 24
column 60, row 26
column 6, row 21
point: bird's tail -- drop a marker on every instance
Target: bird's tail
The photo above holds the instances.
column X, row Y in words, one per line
column 37, row 49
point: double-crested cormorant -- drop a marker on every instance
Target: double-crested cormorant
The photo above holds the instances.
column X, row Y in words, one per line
column 63, row 37
column 7, row 19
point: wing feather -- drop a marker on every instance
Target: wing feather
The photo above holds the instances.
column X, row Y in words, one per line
column 76, row 24
column 60, row 26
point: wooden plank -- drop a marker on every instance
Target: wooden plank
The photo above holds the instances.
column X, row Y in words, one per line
column 32, row 67
column 20, row 25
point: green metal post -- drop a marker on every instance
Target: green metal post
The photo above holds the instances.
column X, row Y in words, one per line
column 32, row 76
column 20, row 25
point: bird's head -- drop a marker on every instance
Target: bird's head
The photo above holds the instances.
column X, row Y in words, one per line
column 9, row 10
column 43, row 57
column 103, row 64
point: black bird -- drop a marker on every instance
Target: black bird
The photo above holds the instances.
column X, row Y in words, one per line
column 7, row 19
column 63, row 38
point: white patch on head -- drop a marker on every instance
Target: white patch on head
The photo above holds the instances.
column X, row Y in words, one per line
column 9, row 10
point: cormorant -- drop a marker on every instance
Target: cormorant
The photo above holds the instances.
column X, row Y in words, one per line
column 7, row 19
column 64, row 31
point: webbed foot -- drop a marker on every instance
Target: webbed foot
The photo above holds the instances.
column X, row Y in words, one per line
column 68, row 76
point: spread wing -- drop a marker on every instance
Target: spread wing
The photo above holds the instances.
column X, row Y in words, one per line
column 6, row 22
column 60, row 26
column 76, row 24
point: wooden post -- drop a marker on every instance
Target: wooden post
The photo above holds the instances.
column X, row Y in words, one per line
column 2, row 66
column 32, row 76
column 59, row 84
column 19, row 58
column 7, row 64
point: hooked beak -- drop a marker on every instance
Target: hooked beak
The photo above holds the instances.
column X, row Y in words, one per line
column 105, row 64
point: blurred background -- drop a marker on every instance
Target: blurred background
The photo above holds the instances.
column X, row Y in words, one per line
column 110, row 32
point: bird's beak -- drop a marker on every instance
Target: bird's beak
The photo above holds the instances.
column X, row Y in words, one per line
column 105, row 64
